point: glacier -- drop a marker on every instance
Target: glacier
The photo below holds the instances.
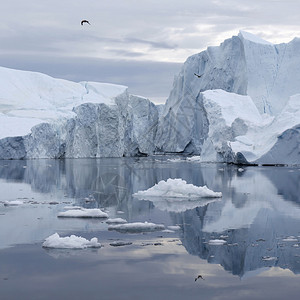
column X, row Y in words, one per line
column 244, row 109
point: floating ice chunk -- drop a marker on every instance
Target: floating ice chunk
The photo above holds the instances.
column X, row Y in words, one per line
column 70, row 242
column 72, row 207
column 13, row 203
column 175, row 160
column 120, row 243
column 290, row 239
column 241, row 170
column 216, row 242
column 83, row 213
column 116, row 221
column 268, row 258
column 177, row 188
column 137, row 227
column 174, row 228
column 194, row 158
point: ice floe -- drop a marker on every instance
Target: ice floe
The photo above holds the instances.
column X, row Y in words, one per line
column 70, row 242
column 216, row 242
column 13, row 203
column 137, row 227
column 178, row 188
column 120, row 243
column 290, row 239
column 83, row 213
column 116, row 221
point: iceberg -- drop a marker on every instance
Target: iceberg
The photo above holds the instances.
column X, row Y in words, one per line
column 116, row 221
column 70, row 242
column 178, row 189
column 137, row 227
column 45, row 117
column 243, row 109
column 83, row 213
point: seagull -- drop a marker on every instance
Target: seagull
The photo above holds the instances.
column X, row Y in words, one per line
column 199, row 276
column 85, row 21
column 198, row 75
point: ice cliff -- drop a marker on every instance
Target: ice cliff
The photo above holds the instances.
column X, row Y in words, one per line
column 244, row 107
column 44, row 117
column 238, row 102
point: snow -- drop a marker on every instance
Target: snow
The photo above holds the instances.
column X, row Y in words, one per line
column 137, row 227
column 83, row 213
column 70, row 242
column 177, row 188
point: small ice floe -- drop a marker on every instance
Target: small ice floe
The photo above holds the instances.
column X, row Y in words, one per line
column 216, row 242
column 178, row 188
column 120, row 212
column 13, row 203
column 269, row 258
column 195, row 158
column 53, row 203
column 224, row 236
column 70, row 242
column 68, row 207
column 83, row 213
column 241, row 170
column 175, row 160
column 116, row 221
column 290, row 239
column 120, row 243
column 137, row 227
column 174, row 228
column 168, row 231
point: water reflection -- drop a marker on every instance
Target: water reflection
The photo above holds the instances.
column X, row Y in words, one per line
column 259, row 208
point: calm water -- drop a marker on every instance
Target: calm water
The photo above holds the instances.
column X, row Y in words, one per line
column 259, row 210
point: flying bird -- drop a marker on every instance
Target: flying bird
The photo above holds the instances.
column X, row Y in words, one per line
column 85, row 21
column 199, row 276
column 198, row 75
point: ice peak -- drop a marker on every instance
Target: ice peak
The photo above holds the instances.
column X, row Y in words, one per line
column 253, row 38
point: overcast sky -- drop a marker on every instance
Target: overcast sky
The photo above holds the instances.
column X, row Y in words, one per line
column 138, row 43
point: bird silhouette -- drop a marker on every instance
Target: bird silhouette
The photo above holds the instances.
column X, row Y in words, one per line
column 85, row 21
column 199, row 276
column 198, row 75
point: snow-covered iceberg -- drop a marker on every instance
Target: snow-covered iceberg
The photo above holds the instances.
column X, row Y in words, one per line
column 244, row 108
column 238, row 102
column 137, row 227
column 44, row 117
column 70, row 242
column 179, row 189
column 83, row 213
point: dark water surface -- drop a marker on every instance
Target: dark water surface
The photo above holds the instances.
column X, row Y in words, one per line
column 258, row 216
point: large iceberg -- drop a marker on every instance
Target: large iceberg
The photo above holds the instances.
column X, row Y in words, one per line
column 44, row 117
column 243, row 107
column 238, row 103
